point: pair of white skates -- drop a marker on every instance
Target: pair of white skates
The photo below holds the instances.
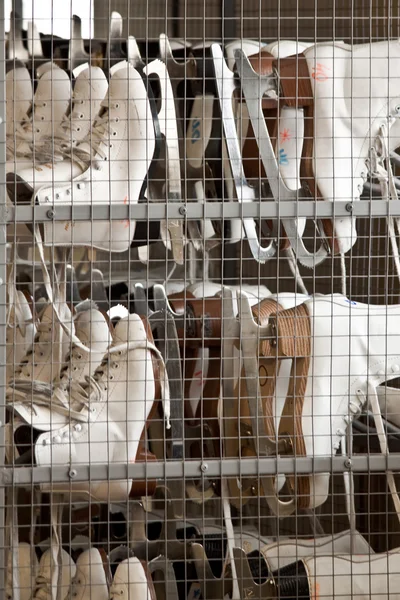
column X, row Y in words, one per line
column 95, row 147
column 325, row 136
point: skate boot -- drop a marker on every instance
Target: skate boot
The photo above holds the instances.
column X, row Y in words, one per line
column 90, row 581
column 28, row 565
column 110, row 412
column 46, row 585
column 122, row 136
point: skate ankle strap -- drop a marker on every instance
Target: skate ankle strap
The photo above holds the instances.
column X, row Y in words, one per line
column 292, row 341
column 295, row 81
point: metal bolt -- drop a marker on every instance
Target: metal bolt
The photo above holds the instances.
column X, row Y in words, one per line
column 1, row 281
column 254, row 490
column 348, row 464
column 72, row 474
column 182, row 210
column 50, row 214
column 349, row 207
column 203, row 467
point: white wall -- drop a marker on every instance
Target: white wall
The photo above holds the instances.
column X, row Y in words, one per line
column 54, row 16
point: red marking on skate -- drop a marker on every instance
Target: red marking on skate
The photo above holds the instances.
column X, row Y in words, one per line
column 199, row 377
column 315, row 592
column 285, row 136
column 126, row 222
column 319, row 72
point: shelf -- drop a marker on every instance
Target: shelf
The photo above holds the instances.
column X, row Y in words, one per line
column 195, row 469
column 198, row 211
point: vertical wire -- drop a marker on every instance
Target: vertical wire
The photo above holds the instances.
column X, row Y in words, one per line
column 3, row 305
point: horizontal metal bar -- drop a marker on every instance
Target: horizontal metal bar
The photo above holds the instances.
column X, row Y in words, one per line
column 209, row 210
column 195, row 469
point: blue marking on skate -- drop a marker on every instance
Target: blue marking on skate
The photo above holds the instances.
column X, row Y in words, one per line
column 196, row 131
column 283, row 159
column 350, row 302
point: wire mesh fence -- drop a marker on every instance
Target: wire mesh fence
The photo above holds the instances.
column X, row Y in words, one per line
column 199, row 299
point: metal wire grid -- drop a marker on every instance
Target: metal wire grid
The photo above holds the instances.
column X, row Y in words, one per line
column 375, row 512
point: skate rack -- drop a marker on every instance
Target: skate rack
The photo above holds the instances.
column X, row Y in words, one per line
column 213, row 468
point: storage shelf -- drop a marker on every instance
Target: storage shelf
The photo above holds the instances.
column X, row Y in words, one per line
column 195, row 469
column 198, row 211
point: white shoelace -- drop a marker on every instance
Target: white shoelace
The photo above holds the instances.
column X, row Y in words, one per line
column 382, row 437
column 60, row 146
column 24, row 133
column 99, row 140
column 43, row 590
column 73, row 401
column 387, row 182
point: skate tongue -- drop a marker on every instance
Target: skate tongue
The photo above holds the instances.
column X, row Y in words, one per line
column 129, row 329
column 92, row 329
column 47, row 578
column 117, row 312
column 48, row 316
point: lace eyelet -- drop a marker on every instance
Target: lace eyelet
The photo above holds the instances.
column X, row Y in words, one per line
column 42, row 118
column 81, row 116
column 111, row 377
column 116, row 366
column 114, row 133
column 117, row 119
column 78, row 128
column 117, row 105
column 41, row 354
column 75, row 368
column 119, row 352
column 79, row 356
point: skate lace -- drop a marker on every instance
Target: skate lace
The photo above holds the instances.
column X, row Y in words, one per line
column 43, row 589
column 19, row 321
column 24, row 130
column 38, row 351
column 97, row 143
column 24, row 133
column 77, row 400
column 58, row 147
column 22, row 389
column 69, row 367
